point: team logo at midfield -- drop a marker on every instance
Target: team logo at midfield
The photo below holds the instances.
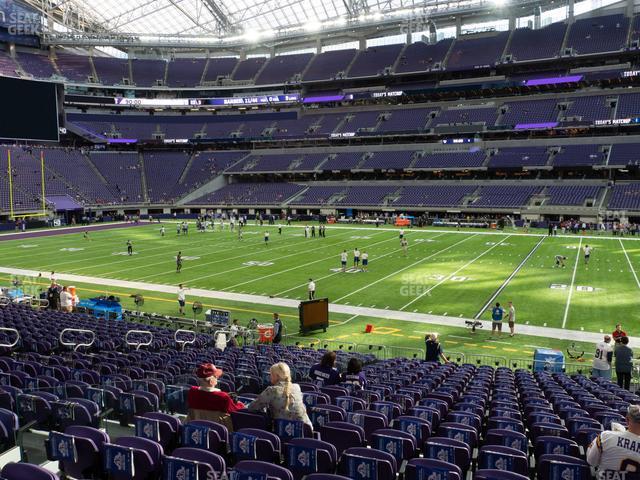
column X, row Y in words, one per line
column 187, row 258
column 71, row 249
column 456, row 278
column 28, row 246
column 254, row 263
column 579, row 288
column 348, row 270
column 424, row 240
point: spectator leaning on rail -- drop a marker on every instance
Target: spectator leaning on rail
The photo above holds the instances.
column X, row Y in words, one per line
column 325, row 373
column 602, row 358
column 207, row 402
column 433, row 349
column 616, row 453
column 283, row 399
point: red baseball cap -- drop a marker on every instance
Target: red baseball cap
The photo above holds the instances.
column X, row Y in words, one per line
column 207, row 370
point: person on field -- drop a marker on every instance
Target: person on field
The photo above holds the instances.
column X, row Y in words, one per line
column 497, row 313
column 511, row 318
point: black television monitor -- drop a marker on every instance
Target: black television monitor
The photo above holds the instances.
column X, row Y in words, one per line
column 29, row 110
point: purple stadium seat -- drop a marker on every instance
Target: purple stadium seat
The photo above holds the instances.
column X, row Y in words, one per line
column 550, row 467
column 263, row 445
column 343, row 435
column 89, row 444
column 147, row 457
column 507, row 438
column 325, row 476
column 22, row 471
column 358, row 463
column 401, row 445
column 244, row 419
column 448, row 450
column 555, row 446
column 418, row 468
column 490, row 474
column 165, row 432
column 207, row 460
column 503, row 458
column 272, row 471
column 296, row 458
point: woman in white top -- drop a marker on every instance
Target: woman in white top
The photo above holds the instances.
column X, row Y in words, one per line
column 66, row 300
column 283, row 399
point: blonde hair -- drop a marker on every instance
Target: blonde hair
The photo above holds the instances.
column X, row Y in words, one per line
column 282, row 373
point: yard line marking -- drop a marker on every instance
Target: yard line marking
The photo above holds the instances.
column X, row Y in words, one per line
column 243, row 255
column 405, row 268
column 456, row 336
column 630, row 265
column 573, row 279
column 346, row 321
column 509, row 278
column 298, row 267
column 338, row 273
column 448, row 277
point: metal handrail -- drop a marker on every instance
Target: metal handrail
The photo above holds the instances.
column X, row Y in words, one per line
column 182, row 343
column 74, row 344
column 374, row 349
column 491, row 360
column 35, row 302
column 10, row 345
column 453, row 356
column 138, row 344
column 407, row 352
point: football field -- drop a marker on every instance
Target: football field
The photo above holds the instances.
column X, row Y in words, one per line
column 445, row 273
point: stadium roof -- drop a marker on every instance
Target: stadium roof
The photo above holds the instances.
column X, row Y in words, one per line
column 234, row 17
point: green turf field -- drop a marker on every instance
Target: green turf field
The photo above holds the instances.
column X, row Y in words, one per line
column 457, row 274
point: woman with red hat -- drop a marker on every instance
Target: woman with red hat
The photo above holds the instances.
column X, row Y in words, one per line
column 206, row 402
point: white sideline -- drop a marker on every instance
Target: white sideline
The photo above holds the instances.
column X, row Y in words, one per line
column 629, row 261
column 509, row 278
column 451, row 275
column 546, row 332
column 573, row 279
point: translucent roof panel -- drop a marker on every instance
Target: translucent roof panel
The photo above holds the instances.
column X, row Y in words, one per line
column 242, row 17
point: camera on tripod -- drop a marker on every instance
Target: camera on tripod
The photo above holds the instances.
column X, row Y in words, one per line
column 473, row 324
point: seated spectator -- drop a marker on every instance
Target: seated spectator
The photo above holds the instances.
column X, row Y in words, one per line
column 207, row 402
column 282, row 399
column 325, row 373
column 618, row 333
column 615, row 451
column 354, row 375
